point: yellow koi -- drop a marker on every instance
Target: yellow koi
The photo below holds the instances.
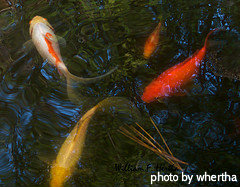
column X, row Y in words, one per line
column 70, row 152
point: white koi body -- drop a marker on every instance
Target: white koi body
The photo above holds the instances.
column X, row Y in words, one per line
column 47, row 45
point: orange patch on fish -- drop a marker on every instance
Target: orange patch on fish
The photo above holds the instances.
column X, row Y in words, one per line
column 48, row 35
column 50, row 48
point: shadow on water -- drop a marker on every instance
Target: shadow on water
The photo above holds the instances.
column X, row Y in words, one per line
column 36, row 115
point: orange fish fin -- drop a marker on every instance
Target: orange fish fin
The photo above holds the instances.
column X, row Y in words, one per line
column 189, row 85
column 160, row 100
column 185, row 89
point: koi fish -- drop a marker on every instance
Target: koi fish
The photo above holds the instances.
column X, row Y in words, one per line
column 71, row 150
column 168, row 83
column 152, row 42
column 46, row 43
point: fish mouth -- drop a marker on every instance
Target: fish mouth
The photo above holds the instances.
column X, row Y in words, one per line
column 38, row 19
column 146, row 98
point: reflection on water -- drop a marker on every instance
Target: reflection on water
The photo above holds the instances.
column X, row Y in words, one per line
column 36, row 115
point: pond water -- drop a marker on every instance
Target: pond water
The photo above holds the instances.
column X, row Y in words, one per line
column 36, row 114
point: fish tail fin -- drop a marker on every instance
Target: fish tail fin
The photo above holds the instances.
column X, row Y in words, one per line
column 159, row 25
column 82, row 80
column 206, row 40
column 62, row 69
column 73, row 80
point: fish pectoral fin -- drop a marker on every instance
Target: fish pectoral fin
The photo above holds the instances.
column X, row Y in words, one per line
column 189, row 85
column 180, row 92
column 62, row 42
column 27, row 46
column 160, row 100
column 46, row 158
column 59, row 39
column 185, row 89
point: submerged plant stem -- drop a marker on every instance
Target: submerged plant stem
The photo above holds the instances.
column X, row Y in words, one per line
column 149, row 144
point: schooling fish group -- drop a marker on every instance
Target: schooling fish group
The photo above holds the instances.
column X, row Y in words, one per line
column 167, row 84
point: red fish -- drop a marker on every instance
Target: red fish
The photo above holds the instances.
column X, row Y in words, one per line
column 168, row 83
column 152, row 42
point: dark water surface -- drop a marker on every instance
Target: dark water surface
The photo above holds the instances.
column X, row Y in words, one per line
column 36, row 115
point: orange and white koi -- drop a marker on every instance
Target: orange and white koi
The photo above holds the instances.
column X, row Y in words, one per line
column 46, row 42
column 168, row 83
column 152, row 42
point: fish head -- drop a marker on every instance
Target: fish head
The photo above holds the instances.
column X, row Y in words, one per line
column 158, row 88
column 36, row 20
column 59, row 175
column 151, row 92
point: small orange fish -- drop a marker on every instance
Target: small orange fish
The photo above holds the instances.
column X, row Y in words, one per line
column 168, row 83
column 152, row 42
